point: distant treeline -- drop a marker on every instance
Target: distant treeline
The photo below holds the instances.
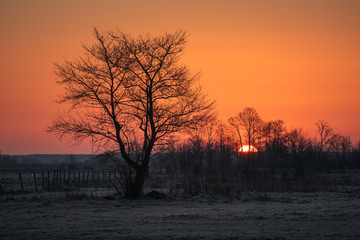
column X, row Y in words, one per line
column 56, row 161
column 223, row 147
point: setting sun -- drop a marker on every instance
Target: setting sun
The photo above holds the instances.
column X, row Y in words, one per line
column 247, row 148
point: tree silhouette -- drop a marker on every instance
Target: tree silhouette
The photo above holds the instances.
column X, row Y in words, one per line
column 297, row 143
column 247, row 125
column 128, row 93
column 235, row 123
column 325, row 134
column 340, row 145
column 275, row 141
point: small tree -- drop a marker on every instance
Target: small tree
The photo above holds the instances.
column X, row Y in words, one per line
column 356, row 156
column 297, row 143
column 341, row 146
column 325, row 132
column 128, row 92
column 248, row 126
column 275, row 141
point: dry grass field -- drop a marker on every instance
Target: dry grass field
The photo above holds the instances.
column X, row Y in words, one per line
column 93, row 213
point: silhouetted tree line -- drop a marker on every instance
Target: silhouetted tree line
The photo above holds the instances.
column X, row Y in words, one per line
column 214, row 149
column 7, row 160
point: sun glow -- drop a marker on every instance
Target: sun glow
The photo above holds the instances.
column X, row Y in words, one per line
column 247, row 148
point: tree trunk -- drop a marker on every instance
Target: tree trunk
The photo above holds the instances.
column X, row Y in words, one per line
column 135, row 189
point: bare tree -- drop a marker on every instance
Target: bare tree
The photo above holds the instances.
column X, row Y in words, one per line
column 210, row 139
column 235, row 123
column 224, row 146
column 247, row 125
column 278, row 132
column 341, row 146
column 128, row 90
column 356, row 155
column 275, row 141
column 297, row 143
column 325, row 132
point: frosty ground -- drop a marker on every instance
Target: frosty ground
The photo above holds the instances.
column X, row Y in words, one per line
column 320, row 215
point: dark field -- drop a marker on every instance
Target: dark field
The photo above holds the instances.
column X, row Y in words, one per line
column 325, row 215
column 92, row 210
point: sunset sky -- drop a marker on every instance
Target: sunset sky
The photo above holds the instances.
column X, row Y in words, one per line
column 298, row 61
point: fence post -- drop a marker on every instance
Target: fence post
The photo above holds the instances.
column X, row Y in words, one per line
column 53, row 181
column 43, row 180
column 68, row 180
column 60, row 177
column 87, row 177
column 21, row 181
column 48, row 180
column 35, row 182
column 109, row 178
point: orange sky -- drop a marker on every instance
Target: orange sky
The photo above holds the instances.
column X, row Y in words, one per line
column 293, row 60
